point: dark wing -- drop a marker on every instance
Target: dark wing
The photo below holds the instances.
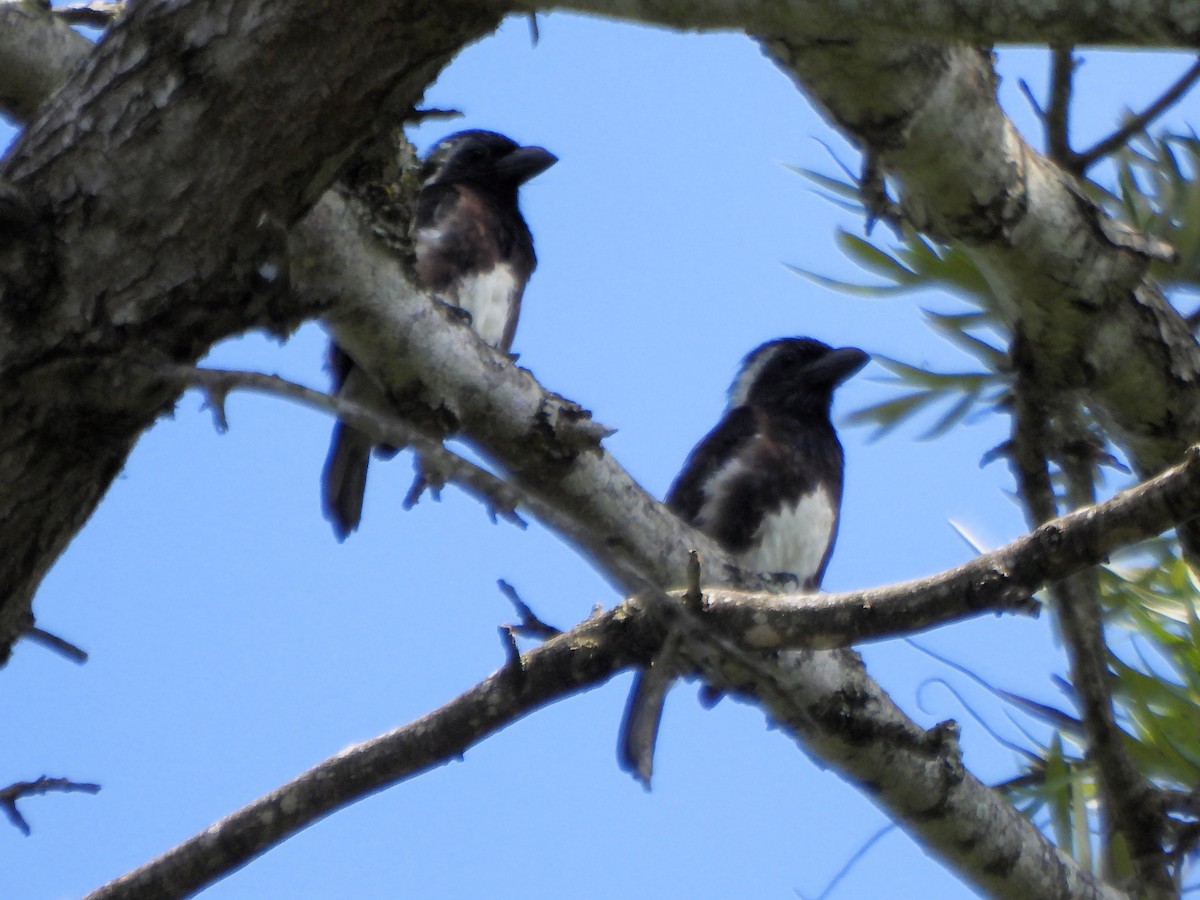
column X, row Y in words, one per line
column 751, row 466
column 459, row 231
column 340, row 366
column 733, row 433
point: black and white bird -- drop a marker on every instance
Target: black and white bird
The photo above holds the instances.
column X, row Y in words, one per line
column 475, row 251
column 766, row 483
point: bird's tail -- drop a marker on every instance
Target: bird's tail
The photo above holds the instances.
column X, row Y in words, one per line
column 344, row 480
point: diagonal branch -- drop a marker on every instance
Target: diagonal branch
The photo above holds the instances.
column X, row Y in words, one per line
column 823, row 699
column 1130, row 798
column 1135, row 124
column 1002, row 580
column 1130, row 808
column 563, row 665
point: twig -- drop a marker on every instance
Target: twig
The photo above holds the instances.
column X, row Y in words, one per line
column 499, row 496
column 1058, row 111
column 57, row 644
column 531, row 625
column 1081, row 162
column 855, row 859
column 14, row 792
column 1032, row 99
column 873, row 193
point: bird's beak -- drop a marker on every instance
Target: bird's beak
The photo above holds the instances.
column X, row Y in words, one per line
column 838, row 365
column 524, row 163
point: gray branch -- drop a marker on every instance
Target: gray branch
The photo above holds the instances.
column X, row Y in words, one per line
column 120, row 135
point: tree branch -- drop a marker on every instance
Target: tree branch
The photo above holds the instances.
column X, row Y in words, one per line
column 93, row 13
column 1134, row 812
column 118, row 135
column 1058, row 110
column 36, row 55
column 1130, row 807
column 44, row 785
column 1054, row 262
column 1061, row 22
column 823, row 699
column 581, row 658
column 1135, row 124
column 57, row 644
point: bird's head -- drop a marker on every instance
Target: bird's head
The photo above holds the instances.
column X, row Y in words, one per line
column 794, row 374
column 486, row 159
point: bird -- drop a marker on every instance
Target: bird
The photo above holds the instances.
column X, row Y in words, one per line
column 766, row 482
column 475, row 251
column 766, row 485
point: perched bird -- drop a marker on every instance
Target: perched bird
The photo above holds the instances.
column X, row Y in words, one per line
column 473, row 249
column 766, row 483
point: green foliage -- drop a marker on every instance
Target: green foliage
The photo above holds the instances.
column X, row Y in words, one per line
column 1158, row 194
column 917, row 263
column 1150, row 604
column 1157, row 686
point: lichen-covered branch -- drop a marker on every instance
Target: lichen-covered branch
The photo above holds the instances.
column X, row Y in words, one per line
column 544, row 443
column 240, row 112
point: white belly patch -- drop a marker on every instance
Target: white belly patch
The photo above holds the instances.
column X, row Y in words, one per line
column 793, row 539
column 487, row 298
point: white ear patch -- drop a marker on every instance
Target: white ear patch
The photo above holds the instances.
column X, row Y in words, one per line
column 739, row 392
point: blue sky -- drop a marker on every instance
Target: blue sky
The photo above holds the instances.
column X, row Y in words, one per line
column 235, row 643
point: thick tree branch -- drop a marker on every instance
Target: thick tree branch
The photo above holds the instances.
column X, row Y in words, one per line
column 1074, row 280
column 36, row 55
column 1061, row 22
column 541, row 441
column 205, row 104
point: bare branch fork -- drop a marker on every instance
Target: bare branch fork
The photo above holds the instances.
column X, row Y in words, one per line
column 44, row 785
column 1056, row 116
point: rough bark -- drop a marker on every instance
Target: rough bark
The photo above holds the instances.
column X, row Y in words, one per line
column 824, row 699
column 164, row 175
column 1058, row 22
column 155, row 192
